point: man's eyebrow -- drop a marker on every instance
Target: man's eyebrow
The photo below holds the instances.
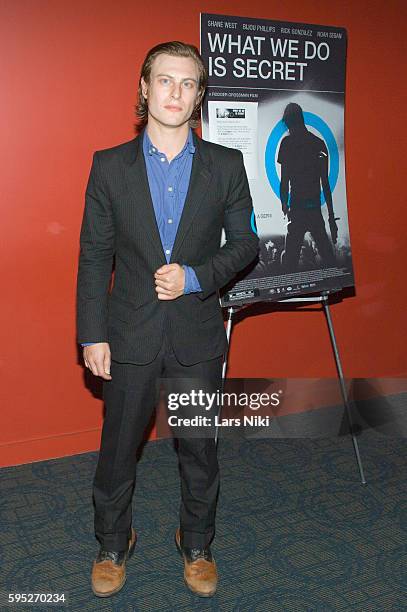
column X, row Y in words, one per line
column 172, row 77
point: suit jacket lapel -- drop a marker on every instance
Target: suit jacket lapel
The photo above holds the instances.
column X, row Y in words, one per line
column 198, row 186
column 138, row 184
column 136, row 175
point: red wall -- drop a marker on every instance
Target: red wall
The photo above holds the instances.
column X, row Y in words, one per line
column 69, row 72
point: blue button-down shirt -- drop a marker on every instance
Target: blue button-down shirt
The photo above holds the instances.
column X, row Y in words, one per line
column 169, row 182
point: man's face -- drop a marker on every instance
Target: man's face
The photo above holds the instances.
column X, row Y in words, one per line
column 172, row 91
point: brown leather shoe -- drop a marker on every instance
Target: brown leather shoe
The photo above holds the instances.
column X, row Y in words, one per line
column 109, row 569
column 200, row 572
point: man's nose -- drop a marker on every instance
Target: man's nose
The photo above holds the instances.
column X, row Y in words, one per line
column 176, row 90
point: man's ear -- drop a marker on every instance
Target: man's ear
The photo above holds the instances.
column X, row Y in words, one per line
column 144, row 88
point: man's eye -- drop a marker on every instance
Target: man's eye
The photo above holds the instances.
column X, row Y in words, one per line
column 189, row 84
column 165, row 81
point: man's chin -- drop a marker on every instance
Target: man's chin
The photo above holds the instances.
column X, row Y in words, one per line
column 170, row 121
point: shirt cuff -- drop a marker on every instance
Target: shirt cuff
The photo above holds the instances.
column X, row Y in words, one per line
column 87, row 343
column 191, row 281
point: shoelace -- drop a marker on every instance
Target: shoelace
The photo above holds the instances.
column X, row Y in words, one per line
column 108, row 555
column 199, row 553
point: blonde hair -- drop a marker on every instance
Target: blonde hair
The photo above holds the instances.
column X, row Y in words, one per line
column 177, row 49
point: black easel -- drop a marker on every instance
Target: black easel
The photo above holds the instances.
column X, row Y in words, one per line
column 324, row 300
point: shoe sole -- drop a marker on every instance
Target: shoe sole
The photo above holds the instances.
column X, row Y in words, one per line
column 199, row 593
column 119, row 588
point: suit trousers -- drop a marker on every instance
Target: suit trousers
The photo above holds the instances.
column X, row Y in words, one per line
column 130, row 398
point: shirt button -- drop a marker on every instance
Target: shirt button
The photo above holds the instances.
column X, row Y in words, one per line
column 169, row 188
column 169, row 220
column 167, row 252
column 162, row 159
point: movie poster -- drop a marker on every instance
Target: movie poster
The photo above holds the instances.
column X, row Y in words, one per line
column 276, row 92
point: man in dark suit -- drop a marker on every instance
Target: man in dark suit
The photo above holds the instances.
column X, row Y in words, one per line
column 157, row 206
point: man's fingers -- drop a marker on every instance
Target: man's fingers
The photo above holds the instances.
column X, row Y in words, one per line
column 97, row 359
column 164, row 283
column 93, row 368
column 163, row 276
column 101, row 371
column 99, row 366
column 106, row 364
column 165, row 296
column 169, row 281
column 162, row 294
column 166, row 268
column 164, row 290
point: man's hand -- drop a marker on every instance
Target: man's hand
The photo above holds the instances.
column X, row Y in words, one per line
column 333, row 228
column 97, row 359
column 169, row 281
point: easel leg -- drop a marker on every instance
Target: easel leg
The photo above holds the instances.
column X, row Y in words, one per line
column 342, row 386
column 225, row 363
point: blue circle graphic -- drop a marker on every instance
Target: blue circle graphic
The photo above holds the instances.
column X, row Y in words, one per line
column 275, row 137
column 253, row 223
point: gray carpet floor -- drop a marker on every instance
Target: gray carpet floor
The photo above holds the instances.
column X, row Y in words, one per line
column 296, row 530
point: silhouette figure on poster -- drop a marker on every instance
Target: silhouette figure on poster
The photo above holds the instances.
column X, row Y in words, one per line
column 304, row 163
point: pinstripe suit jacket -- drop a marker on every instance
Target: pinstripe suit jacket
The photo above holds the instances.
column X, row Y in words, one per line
column 119, row 225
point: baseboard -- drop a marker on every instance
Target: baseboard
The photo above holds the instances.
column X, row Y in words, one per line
column 51, row 447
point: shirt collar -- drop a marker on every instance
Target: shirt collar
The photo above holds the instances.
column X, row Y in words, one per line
column 150, row 149
column 190, row 142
